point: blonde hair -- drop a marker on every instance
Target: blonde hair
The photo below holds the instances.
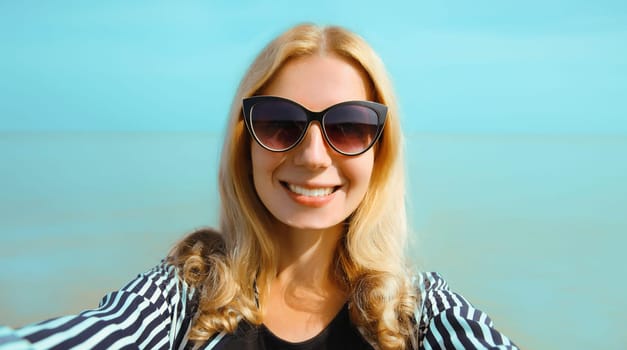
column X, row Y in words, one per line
column 370, row 259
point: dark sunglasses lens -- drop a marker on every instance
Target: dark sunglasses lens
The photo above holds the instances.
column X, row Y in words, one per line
column 351, row 128
column 277, row 124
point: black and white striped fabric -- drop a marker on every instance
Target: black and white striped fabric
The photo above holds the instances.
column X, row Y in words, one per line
column 154, row 311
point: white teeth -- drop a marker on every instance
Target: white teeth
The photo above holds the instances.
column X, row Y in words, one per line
column 311, row 192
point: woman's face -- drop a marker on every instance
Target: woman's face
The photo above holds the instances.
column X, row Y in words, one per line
column 312, row 186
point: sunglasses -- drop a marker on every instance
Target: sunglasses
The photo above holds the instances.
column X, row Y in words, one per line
column 278, row 124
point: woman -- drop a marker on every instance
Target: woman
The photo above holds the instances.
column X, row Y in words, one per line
column 311, row 254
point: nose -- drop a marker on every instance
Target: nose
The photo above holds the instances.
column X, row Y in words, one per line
column 313, row 151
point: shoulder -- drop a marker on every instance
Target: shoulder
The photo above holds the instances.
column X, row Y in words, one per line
column 436, row 296
column 448, row 321
column 160, row 285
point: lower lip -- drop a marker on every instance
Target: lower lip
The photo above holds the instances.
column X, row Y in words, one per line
column 315, row 202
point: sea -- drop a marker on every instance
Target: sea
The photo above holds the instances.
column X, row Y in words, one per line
column 531, row 228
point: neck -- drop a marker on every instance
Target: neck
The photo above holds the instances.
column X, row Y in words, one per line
column 306, row 256
column 304, row 296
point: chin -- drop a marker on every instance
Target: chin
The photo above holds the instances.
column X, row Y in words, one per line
column 312, row 225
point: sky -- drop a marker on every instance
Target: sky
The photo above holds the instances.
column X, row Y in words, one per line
column 458, row 66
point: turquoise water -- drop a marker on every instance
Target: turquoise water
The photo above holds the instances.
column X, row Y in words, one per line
column 530, row 228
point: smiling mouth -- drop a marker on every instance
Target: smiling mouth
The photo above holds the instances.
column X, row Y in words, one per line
column 309, row 192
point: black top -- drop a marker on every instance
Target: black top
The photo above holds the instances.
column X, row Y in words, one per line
column 340, row 333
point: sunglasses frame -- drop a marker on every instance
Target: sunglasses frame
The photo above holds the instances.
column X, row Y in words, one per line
column 249, row 102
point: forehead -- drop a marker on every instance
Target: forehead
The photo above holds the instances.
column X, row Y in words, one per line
column 319, row 81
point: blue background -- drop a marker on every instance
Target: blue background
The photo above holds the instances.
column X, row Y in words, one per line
column 459, row 66
column 515, row 115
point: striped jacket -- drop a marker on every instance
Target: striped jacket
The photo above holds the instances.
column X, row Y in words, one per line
column 154, row 311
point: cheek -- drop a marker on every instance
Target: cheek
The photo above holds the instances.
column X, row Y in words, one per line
column 263, row 164
column 359, row 171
